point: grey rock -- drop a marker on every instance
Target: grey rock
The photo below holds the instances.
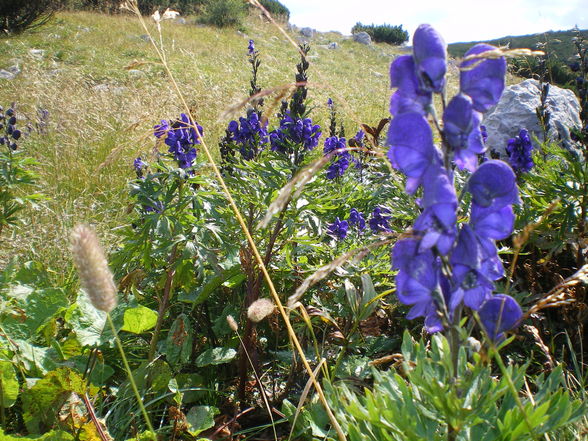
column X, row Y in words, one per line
column 83, row 29
column 136, row 73
column 145, row 38
column 180, row 21
column 37, row 53
column 307, row 32
column 516, row 110
column 333, row 45
column 378, row 74
column 5, row 75
column 363, row 38
column 15, row 70
column 101, row 88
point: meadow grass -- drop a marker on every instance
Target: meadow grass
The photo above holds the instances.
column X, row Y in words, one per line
column 104, row 88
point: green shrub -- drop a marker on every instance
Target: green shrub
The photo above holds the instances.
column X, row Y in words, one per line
column 383, row 33
column 223, row 13
column 17, row 16
column 276, row 9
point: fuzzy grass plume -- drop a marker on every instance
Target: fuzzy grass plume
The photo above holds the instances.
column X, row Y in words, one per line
column 95, row 276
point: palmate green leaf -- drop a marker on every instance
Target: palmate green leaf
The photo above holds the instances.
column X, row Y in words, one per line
column 8, row 384
column 215, row 356
column 200, row 418
column 139, row 319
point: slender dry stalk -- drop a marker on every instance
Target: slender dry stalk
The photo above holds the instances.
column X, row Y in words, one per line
column 133, row 5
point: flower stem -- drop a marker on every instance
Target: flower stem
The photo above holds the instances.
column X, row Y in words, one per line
column 130, row 374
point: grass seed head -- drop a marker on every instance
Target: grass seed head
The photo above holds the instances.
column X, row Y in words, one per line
column 260, row 309
column 95, row 276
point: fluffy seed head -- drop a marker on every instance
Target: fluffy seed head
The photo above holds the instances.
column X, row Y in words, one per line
column 95, row 276
column 232, row 323
column 260, row 309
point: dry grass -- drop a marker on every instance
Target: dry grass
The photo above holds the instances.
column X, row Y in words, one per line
column 99, row 109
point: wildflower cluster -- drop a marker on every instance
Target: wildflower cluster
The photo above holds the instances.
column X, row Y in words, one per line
column 181, row 137
column 443, row 267
column 9, row 134
column 337, row 148
column 378, row 222
column 249, row 134
column 300, row 131
column 519, row 151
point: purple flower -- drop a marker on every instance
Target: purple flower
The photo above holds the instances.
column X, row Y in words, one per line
column 379, row 221
column 483, row 79
column 437, row 223
column 249, row 134
column 493, row 184
column 484, row 133
column 430, row 57
column 333, row 143
column 329, row 103
column 181, row 137
column 251, row 47
column 139, row 165
column 356, row 219
column 417, row 278
column 461, row 127
column 300, row 131
column 409, row 97
column 519, row 151
column 338, row 229
column 499, row 314
column 492, row 223
column 411, row 147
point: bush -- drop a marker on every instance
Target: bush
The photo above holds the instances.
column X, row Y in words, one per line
column 17, row 16
column 383, row 33
column 223, row 13
column 276, row 9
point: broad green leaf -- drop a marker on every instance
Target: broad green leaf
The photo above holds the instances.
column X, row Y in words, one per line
column 8, row 384
column 200, row 418
column 178, row 344
column 86, row 321
column 41, row 403
column 54, row 435
column 139, row 320
column 215, row 356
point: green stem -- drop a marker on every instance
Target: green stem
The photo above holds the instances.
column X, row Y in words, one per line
column 130, row 374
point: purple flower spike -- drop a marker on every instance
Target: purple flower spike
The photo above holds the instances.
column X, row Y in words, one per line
column 411, row 147
column 520, row 150
column 493, row 184
column 430, row 55
column 356, row 218
column 499, row 314
column 251, row 47
column 338, row 229
column 483, row 79
column 461, row 126
column 409, row 97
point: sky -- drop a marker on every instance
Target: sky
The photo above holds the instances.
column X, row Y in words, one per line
column 456, row 20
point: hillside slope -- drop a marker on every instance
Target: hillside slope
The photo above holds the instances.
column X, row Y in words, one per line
column 559, row 43
column 104, row 88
